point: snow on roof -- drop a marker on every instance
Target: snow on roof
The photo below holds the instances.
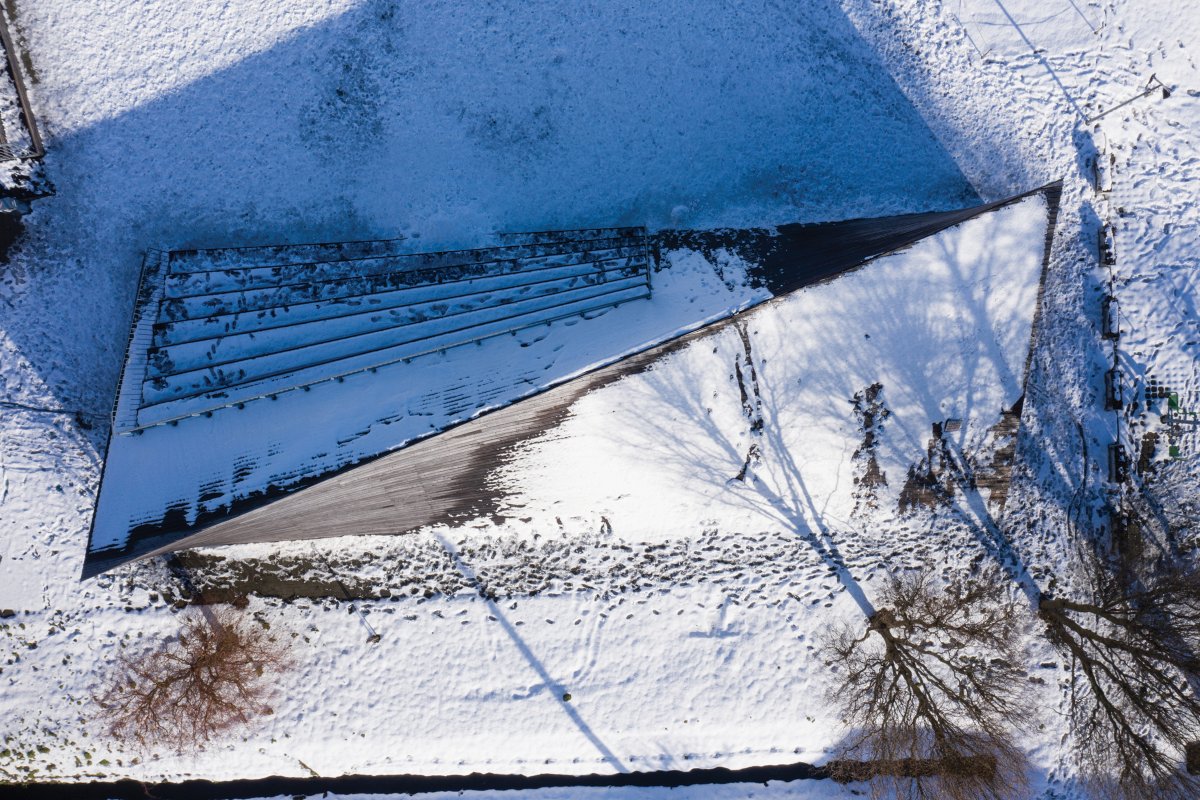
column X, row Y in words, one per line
column 244, row 381
column 250, row 379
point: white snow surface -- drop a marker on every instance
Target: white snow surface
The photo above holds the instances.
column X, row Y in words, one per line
column 943, row 328
column 256, row 121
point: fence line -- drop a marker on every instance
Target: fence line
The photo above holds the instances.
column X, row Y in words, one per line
column 7, row 152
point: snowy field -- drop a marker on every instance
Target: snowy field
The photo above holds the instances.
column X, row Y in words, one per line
column 252, row 121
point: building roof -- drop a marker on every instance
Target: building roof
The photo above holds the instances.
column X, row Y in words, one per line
column 305, row 391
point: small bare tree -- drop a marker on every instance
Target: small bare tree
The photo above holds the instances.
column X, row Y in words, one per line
column 1134, row 643
column 211, row 679
column 931, row 691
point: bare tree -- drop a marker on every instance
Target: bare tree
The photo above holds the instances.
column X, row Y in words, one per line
column 1134, row 644
column 211, row 679
column 931, row 691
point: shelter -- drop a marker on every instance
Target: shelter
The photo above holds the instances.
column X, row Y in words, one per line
column 308, row 391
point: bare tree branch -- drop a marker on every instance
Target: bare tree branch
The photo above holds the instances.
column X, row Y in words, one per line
column 212, row 679
column 1134, row 639
column 931, row 698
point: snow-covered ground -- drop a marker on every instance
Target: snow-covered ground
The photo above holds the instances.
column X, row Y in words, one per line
column 257, row 121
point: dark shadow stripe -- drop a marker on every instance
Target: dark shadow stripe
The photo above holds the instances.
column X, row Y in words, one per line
column 404, row 784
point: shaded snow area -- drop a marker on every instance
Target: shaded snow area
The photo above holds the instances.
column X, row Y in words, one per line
column 781, row 468
column 259, row 122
